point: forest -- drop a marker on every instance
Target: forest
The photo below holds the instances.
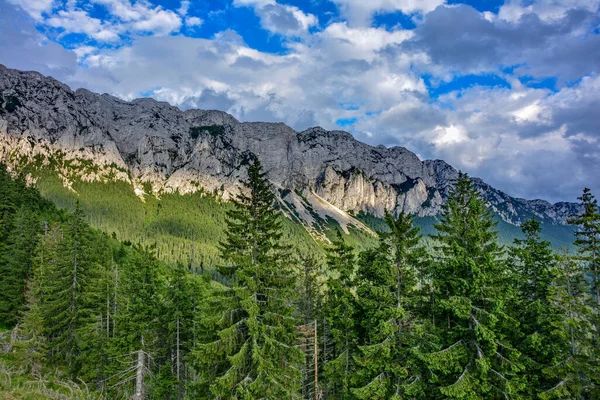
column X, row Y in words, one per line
column 454, row 315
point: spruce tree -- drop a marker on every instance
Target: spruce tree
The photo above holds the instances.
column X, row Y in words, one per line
column 310, row 311
column 474, row 359
column 33, row 346
column 387, row 300
column 572, row 368
column 178, row 320
column 16, row 265
column 137, row 324
column 67, row 289
column 533, row 265
column 341, row 262
column 588, row 240
column 249, row 335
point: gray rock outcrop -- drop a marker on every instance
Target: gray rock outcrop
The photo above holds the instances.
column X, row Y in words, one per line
column 89, row 136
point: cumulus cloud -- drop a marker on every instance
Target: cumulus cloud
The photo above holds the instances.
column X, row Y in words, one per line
column 125, row 17
column 360, row 12
column 184, row 7
column 78, row 21
column 461, row 39
column 35, row 8
column 282, row 19
column 193, row 21
column 513, row 10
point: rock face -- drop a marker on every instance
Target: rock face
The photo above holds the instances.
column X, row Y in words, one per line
column 147, row 143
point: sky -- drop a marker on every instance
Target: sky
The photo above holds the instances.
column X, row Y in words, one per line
column 508, row 91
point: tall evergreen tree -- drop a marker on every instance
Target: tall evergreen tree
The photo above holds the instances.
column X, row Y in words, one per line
column 177, row 323
column 533, row 265
column 588, row 240
column 386, row 312
column 137, row 323
column 250, row 332
column 33, row 346
column 310, row 311
column 573, row 371
column 67, row 271
column 16, row 265
column 341, row 262
column 474, row 360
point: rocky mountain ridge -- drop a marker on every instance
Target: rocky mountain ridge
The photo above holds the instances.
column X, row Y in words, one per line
column 158, row 148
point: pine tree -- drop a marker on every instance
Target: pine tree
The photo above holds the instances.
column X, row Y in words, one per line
column 474, row 359
column 387, row 300
column 572, row 370
column 248, row 348
column 341, row 261
column 533, row 265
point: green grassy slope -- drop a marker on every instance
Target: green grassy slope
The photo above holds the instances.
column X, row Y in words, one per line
column 185, row 228
column 188, row 228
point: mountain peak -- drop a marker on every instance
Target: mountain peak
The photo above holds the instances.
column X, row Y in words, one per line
column 148, row 142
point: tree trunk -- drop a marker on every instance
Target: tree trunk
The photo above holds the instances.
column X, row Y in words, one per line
column 316, row 362
column 179, row 393
column 139, row 378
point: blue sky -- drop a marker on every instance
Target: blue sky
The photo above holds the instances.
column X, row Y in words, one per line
column 505, row 90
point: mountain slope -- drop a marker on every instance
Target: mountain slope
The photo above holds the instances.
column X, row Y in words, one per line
column 157, row 149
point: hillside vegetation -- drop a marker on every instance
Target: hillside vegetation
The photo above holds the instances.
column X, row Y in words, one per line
column 93, row 313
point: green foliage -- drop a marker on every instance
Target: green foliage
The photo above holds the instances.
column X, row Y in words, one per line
column 213, row 130
column 449, row 316
column 249, row 334
column 182, row 228
column 533, row 267
column 341, row 262
column 9, row 103
column 573, row 370
column 475, row 358
column 387, row 299
column 588, row 241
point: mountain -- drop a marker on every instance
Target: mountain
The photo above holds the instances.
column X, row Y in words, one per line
column 157, row 149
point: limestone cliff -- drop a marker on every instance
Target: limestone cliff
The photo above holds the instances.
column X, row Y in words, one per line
column 319, row 173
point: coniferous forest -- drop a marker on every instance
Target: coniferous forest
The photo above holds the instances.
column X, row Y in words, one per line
column 84, row 315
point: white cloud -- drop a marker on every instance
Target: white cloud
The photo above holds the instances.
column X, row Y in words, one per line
column 77, row 21
column 143, row 16
column 193, row 21
column 547, row 10
column 282, row 19
column 362, row 42
column 360, row 12
column 35, row 8
column 183, row 9
column 159, row 22
column 449, row 135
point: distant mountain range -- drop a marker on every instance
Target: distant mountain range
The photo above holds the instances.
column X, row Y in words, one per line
column 157, row 149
